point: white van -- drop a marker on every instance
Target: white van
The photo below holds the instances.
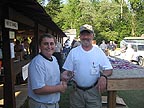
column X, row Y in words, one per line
column 138, row 47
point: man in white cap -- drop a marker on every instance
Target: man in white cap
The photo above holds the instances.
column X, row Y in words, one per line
column 86, row 62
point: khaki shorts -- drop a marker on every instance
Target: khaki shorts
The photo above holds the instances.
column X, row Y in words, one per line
column 35, row 104
column 85, row 99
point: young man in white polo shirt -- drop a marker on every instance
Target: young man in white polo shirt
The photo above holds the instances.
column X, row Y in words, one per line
column 44, row 86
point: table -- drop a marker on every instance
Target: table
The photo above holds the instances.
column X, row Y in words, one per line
column 126, row 76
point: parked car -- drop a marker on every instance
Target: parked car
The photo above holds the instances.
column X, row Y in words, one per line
column 139, row 51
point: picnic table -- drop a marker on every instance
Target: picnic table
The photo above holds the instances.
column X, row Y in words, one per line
column 126, row 76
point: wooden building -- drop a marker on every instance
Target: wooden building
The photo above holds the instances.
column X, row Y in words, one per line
column 20, row 19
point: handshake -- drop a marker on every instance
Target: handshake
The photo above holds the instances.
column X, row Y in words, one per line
column 67, row 76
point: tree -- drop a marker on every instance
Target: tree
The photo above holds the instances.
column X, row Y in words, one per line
column 53, row 8
column 111, row 19
column 137, row 20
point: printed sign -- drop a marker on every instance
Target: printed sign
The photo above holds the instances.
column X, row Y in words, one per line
column 25, row 71
column 11, row 34
column 11, row 24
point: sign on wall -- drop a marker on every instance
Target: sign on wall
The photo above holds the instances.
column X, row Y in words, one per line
column 25, row 71
column 11, row 34
column 12, row 50
column 11, row 24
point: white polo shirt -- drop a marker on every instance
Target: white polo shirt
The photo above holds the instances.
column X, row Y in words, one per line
column 43, row 72
column 86, row 65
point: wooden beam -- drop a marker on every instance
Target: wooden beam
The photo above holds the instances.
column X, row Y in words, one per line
column 125, row 84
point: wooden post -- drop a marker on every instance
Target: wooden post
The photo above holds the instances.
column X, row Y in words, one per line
column 9, row 92
column 111, row 99
column 36, row 35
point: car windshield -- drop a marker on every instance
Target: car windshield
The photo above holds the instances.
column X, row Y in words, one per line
column 141, row 47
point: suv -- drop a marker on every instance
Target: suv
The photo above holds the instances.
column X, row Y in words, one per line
column 139, row 51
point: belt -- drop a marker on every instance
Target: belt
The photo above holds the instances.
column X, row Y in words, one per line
column 86, row 88
column 42, row 102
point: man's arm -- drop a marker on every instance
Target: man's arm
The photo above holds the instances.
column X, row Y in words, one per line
column 107, row 72
column 102, row 81
column 51, row 89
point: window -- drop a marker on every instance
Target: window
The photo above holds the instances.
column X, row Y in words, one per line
column 141, row 47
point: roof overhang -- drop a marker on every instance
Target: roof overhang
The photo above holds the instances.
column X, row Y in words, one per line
column 33, row 10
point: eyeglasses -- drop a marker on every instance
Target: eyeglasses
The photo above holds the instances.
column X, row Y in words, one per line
column 49, row 43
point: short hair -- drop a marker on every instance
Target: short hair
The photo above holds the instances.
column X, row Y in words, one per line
column 44, row 36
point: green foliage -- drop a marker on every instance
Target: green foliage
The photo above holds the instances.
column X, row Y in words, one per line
column 137, row 11
column 111, row 20
column 53, row 8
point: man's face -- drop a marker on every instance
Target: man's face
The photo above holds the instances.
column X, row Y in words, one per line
column 47, row 46
column 86, row 38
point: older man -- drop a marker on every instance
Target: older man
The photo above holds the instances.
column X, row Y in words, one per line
column 86, row 61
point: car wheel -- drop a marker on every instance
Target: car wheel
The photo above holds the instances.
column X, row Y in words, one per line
column 141, row 61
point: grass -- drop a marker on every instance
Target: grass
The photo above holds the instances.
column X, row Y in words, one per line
column 64, row 100
column 133, row 98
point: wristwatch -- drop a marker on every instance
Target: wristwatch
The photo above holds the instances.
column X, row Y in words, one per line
column 101, row 74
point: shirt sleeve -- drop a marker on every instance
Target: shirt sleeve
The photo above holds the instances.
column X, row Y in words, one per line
column 36, row 76
column 68, row 64
column 105, row 63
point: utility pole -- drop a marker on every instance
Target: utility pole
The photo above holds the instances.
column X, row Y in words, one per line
column 121, row 5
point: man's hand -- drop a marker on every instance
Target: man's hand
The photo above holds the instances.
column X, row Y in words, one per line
column 63, row 86
column 66, row 76
column 102, row 83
